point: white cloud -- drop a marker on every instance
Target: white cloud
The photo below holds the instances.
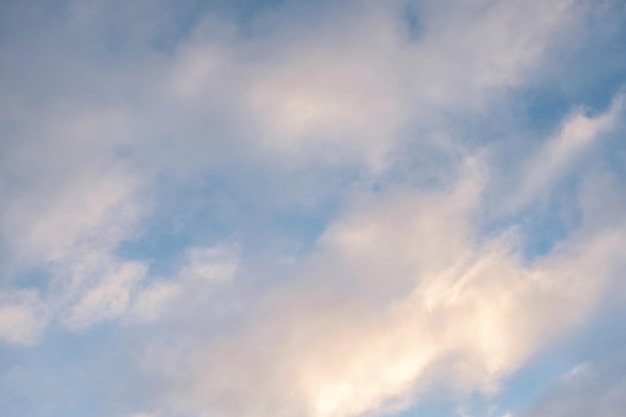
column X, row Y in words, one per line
column 108, row 298
column 70, row 202
column 398, row 296
column 22, row 317
column 554, row 159
column 217, row 263
column 343, row 88
column 204, row 269
column 151, row 300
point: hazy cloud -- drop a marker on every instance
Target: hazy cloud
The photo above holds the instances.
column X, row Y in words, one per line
column 313, row 209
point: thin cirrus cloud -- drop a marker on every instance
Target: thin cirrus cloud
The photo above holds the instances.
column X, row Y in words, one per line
column 292, row 209
column 575, row 136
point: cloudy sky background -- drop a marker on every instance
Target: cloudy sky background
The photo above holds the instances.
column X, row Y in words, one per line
column 282, row 208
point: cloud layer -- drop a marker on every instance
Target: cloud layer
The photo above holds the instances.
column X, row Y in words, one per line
column 293, row 209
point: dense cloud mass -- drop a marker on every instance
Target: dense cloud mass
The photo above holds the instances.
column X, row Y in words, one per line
column 314, row 209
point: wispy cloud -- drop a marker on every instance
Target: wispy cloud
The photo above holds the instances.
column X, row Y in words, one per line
column 301, row 209
column 398, row 295
column 556, row 156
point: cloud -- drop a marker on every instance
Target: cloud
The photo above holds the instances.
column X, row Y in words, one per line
column 557, row 155
column 344, row 87
column 397, row 290
column 597, row 389
column 68, row 205
column 108, row 299
column 399, row 296
column 22, row 317
column 205, row 268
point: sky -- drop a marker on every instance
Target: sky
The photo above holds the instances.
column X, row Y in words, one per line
column 287, row 208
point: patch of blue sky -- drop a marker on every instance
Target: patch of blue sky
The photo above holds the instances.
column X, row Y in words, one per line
column 616, row 154
column 526, row 386
column 587, row 73
column 598, row 342
column 549, row 220
column 604, row 334
column 69, row 374
column 240, row 207
column 544, row 105
column 33, row 278
column 429, row 408
column 555, row 214
column 410, row 15
column 450, row 404
column 538, row 227
column 249, row 18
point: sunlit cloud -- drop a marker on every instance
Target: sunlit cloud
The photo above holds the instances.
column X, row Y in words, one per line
column 326, row 209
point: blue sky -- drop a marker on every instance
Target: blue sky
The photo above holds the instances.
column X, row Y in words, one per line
column 314, row 209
